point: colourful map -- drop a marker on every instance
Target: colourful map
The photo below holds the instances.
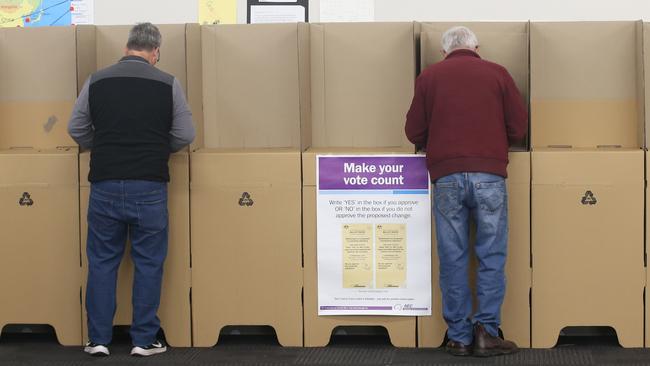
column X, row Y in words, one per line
column 34, row 13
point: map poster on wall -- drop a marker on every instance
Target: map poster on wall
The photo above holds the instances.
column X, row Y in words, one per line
column 45, row 13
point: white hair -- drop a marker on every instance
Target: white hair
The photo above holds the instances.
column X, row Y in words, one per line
column 459, row 37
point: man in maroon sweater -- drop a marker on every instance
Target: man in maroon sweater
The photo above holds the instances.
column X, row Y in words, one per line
column 466, row 112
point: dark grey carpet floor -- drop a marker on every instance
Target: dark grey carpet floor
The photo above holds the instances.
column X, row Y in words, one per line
column 27, row 350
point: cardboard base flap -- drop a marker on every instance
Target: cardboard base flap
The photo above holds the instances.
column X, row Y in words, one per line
column 587, row 242
column 246, row 250
column 39, row 216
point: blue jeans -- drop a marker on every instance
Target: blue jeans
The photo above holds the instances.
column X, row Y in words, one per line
column 117, row 209
column 483, row 198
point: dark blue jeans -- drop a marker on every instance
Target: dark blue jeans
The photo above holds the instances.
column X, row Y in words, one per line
column 483, row 198
column 117, row 209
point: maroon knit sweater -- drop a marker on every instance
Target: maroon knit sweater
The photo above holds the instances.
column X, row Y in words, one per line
column 466, row 112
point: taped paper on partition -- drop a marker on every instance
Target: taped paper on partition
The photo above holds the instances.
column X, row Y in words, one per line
column 49, row 125
column 373, row 235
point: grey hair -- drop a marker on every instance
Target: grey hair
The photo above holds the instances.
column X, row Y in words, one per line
column 459, row 37
column 144, row 37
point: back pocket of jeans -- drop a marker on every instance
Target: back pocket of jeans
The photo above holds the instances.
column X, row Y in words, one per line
column 152, row 216
column 100, row 212
column 491, row 196
column 446, row 197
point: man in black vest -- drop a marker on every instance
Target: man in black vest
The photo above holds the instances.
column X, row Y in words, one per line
column 132, row 116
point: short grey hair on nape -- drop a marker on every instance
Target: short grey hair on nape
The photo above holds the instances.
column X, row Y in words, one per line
column 459, row 37
column 144, row 37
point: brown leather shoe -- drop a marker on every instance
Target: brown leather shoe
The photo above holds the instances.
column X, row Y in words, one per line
column 458, row 349
column 487, row 345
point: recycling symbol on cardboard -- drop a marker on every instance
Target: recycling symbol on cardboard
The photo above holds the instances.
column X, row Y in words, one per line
column 589, row 198
column 246, row 200
column 26, row 200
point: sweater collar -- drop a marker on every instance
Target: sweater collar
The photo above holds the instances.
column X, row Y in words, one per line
column 463, row 52
column 134, row 58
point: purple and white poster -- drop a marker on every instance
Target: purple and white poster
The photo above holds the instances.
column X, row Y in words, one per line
column 373, row 235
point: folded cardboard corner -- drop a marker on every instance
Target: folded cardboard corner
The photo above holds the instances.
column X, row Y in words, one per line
column 39, row 216
column 246, row 252
column 587, row 242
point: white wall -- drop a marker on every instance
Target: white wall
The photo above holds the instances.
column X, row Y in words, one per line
column 109, row 12
column 186, row 11
column 392, row 10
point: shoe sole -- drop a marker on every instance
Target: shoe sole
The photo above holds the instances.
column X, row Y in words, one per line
column 485, row 354
column 458, row 354
column 96, row 353
column 148, row 352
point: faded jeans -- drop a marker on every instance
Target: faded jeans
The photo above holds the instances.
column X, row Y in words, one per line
column 483, row 198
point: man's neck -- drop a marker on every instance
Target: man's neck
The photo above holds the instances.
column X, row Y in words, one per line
column 142, row 54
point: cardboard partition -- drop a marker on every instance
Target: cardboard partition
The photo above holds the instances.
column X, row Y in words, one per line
column 39, row 250
column 318, row 329
column 194, row 69
column 246, row 253
column 646, row 71
column 587, row 242
column 581, row 96
column 103, row 46
column 40, row 183
column 515, row 312
column 362, row 82
column 255, row 85
column 505, row 43
column 36, row 97
column 174, row 311
column 108, row 44
column 647, row 223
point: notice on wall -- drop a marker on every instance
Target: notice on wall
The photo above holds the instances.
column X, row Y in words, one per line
column 217, row 11
column 373, row 235
column 82, row 12
column 277, row 14
column 347, row 10
column 277, row 11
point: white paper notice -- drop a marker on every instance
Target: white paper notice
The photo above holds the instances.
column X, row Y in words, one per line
column 82, row 11
column 277, row 14
column 347, row 10
column 373, row 235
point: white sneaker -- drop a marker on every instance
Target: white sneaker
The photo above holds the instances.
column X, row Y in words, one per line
column 97, row 350
column 150, row 350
